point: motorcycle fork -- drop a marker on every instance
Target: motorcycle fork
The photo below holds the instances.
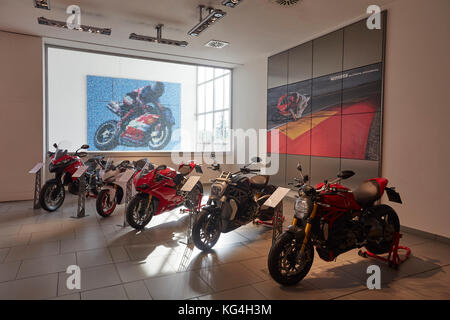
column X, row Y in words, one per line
column 308, row 229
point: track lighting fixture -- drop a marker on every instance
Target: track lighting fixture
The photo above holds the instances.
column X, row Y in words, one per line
column 42, row 4
column 211, row 18
column 159, row 38
column 61, row 24
column 231, row 3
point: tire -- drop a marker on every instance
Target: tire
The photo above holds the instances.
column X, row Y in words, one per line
column 101, row 204
column 210, row 221
column 106, row 136
column 289, row 241
column 52, row 195
column 166, row 130
column 191, row 201
column 389, row 216
column 74, row 187
column 139, row 211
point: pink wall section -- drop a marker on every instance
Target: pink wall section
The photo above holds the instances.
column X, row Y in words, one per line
column 21, row 113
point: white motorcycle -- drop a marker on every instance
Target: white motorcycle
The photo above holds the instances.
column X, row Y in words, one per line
column 114, row 190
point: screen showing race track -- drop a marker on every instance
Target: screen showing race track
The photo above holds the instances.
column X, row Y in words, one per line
column 125, row 104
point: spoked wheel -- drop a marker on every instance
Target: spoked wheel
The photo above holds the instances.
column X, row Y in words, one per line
column 386, row 224
column 140, row 211
column 160, row 135
column 206, row 230
column 52, row 195
column 105, row 137
column 105, row 205
column 285, row 265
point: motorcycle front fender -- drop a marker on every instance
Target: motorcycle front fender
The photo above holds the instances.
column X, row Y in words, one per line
column 297, row 231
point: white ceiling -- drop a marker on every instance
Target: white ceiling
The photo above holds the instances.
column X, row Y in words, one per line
column 255, row 28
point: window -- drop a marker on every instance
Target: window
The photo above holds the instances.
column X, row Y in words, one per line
column 213, row 109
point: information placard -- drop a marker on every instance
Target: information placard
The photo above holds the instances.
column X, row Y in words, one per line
column 189, row 185
column 37, row 167
column 79, row 172
column 276, row 197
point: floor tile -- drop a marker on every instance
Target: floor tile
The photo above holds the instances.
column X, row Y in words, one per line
column 40, row 227
column 302, row 291
column 42, row 287
column 3, row 254
column 46, row 265
column 178, row 286
column 138, row 270
column 393, row 292
column 33, row 251
column 137, row 291
column 228, row 276
column 14, row 241
column 119, row 254
column 433, row 251
column 109, row 293
column 258, row 266
column 8, row 271
column 242, row 293
column 73, row 296
column 93, row 242
column 51, row 236
column 95, row 257
column 9, row 230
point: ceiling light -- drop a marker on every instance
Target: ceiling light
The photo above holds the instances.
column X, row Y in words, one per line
column 231, row 3
column 61, row 24
column 213, row 16
column 159, row 38
column 217, row 44
column 42, row 4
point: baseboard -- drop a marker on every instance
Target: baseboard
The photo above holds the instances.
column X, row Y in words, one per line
column 425, row 234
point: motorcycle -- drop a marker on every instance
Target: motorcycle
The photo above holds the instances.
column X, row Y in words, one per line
column 291, row 105
column 159, row 190
column 234, row 200
column 113, row 190
column 64, row 166
column 333, row 219
column 151, row 127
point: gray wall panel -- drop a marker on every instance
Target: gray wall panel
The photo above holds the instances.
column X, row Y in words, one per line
column 300, row 63
column 327, row 53
column 324, row 168
column 364, row 169
column 278, row 70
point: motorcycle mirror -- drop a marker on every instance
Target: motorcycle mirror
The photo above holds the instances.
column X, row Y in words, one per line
column 161, row 167
column 345, row 174
column 256, row 159
column 299, row 167
column 216, row 166
column 213, row 155
column 306, row 178
column 85, row 146
column 55, row 145
column 198, row 169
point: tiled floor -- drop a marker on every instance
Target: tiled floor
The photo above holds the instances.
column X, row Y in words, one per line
column 36, row 248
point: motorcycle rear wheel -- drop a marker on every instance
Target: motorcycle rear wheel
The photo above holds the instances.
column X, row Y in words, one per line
column 104, row 205
column 392, row 224
column 52, row 195
column 105, row 137
column 206, row 230
column 140, row 211
column 281, row 259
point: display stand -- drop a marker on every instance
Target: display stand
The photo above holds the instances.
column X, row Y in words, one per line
column 393, row 258
column 80, row 174
column 37, row 171
column 127, row 178
column 276, row 201
column 185, row 190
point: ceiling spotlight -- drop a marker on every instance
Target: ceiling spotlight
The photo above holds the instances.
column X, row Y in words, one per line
column 159, row 38
column 216, row 44
column 213, row 16
column 42, row 4
column 231, row 3
column 61, row 24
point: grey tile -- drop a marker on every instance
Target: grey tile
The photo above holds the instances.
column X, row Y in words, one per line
column 95, row 257
column 242, row 293
column 119, row 254
column 73, row 296
column 33, row 251
column 42, row 287
column 3, row 254
column 302, row 291
column 8, row 271
column 138, row 270
column 137, row 291
column 108, row 293
column 46, row 265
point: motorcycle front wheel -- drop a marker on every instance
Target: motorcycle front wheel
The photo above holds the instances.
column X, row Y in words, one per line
column 104, row 204
column 206, row 230
column 140, row 211
column 284, row 265
column 52, row 195
column 106, row 136
column 159, row 138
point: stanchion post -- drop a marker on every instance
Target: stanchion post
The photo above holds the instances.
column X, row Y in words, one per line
column 37, row 171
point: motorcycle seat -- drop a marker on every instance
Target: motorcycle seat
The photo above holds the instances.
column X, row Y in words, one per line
column 259, row 182
column 367, row 193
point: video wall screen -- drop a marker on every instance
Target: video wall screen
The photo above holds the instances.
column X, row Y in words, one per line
column 124, row 104
column 324, row 99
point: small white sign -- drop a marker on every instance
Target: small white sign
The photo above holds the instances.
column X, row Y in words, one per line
column 276, row 197
column 79, row 172
column 126, row 176
column 37, row 167
column 189, row 185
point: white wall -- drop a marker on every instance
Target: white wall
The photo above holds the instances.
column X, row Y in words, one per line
column 416, row 146
column 21, row 114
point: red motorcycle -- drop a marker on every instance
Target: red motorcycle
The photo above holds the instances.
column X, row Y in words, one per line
column 291, row 105
column 64, row 166
column 159, row 190
column 333, row 219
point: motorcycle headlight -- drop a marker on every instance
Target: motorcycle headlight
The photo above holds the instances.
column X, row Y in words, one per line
column 303, row 207
column 216, row 190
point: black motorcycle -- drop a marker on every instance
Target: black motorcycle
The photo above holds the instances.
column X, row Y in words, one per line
column 234, row 200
